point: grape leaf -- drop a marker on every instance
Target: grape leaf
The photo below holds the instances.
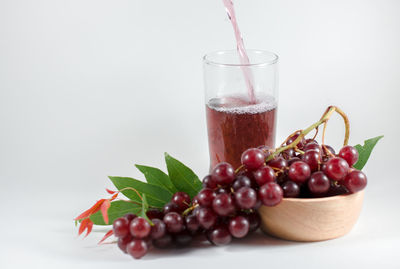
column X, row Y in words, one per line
column 157, row 177
column 182, row 176
column 365, row 151
column 116, row 210
column 156, row 195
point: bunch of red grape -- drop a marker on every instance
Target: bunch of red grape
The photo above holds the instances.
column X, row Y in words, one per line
column 315, row 170
column 227, row 205
column 211, row 214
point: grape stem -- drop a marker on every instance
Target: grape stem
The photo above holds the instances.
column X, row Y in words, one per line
column 324, row 119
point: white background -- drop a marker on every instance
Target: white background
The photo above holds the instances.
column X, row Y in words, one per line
column 90, row 87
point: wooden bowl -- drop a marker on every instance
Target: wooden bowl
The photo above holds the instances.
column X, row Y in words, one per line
column 314, row 219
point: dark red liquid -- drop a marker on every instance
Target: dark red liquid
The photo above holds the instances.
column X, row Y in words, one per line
column 235, row 125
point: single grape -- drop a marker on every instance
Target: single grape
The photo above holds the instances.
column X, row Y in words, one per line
column 265, row 150
column 355, row 181
column 154, row 214
column 208, row 182
column 299, row 172
column 278, row 163
column 192, row 224
column 223, row 190
column 123, row 242
column 300, row 145
column 223, row 174
column 290, row 189
column 239, row 226
column 206, row 217
column 319, row 183
column 292, row 160
column 158, row 230
column 130, row 216
column 139, row 228
column 312, row 158
column 264, row 175
column 254, row 220
column 336, row 189
column 219, row 236
column 270, row 194
column 253, row 158
column 163, row 242
column 223, row 204
column 289, row 153
column 241, row 181
column 310, row 140
column 336, row 168
column 182, row 200
column 349, row 154
column 170, row 207
column 327, row 147
column 312, row 146
column 183, row 239
column 246, row 198
column 205, row 197
column 174, row 222
column 121, row 227
column 137, row 248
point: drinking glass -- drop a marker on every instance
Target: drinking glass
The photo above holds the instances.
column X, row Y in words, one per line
column 241, row 103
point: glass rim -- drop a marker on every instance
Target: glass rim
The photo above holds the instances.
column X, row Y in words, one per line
column 274, row 60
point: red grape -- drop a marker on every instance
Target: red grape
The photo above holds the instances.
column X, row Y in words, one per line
column 264, row 175
column 355, row 181
column 223, row 174
column 246, row 198
column 158, row 230
column 299, row 172
column 336, row 168
column 121, row 227
column 270, row 194
column 349, row 154
column 223, row 204
column 139, row 228
column 174, row 222
column 253, row 158
column 290, row 189
column 318, row 183
column 181, row 199
column 219, row 236
column 239, row 226
column 206, row 217
column 137, row 248
column 205, row 197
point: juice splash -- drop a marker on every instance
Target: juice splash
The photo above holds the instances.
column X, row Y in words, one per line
column 244, row 58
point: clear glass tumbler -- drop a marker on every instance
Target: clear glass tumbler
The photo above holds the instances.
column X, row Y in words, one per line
column 241, row 103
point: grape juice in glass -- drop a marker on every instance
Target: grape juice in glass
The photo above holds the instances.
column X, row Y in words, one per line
column 236, row 119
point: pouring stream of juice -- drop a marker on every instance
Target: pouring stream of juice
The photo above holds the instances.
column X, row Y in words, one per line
column 244, row 59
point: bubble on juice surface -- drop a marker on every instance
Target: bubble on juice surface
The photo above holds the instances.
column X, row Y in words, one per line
column 240, row 104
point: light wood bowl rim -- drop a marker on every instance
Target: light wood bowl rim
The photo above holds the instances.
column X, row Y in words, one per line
column 321, row 199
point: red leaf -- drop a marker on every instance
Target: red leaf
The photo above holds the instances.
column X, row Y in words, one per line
column 114, row 196
column 104, row 208
column 92, row 210
column 110, row 191
column 107, row 235
column 86, row 224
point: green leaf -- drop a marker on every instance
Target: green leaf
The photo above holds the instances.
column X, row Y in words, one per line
column 156, row 196
column 145, row 207
column 116, row 210
column 365, row 151
column 157, row 177
column 182, row 176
